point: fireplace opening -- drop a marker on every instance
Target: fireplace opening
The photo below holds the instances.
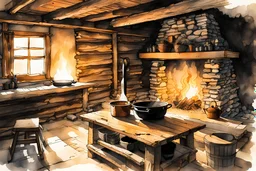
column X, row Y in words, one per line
column 184, row 84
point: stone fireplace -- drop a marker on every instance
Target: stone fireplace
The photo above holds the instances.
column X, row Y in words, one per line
column 194, row 79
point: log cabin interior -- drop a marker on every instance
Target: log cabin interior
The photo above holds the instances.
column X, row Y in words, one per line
column 127, row 85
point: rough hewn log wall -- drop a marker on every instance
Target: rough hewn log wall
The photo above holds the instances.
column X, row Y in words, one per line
column 46, row 107
column 94, row 65
column 128, row 47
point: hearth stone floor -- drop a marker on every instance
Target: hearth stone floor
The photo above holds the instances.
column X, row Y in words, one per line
column 66, row 150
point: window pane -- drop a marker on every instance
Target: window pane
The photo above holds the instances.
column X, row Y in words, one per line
column 20, row 66
column 21, row 42
column 37, row 66
column 36, row 52
column 20, row 52
column 37, row 42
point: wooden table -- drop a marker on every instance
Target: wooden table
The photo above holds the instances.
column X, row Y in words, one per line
column 153, row 134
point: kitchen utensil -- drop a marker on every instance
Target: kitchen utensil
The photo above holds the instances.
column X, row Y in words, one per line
column 120, row 108
column 213, row 112
column 108, row 136
column 168, row 150
column 128, row 143
column 151, row 110
column 180, row 48
column 63, row 82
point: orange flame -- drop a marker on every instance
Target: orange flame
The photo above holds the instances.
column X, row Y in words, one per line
column 192, row 92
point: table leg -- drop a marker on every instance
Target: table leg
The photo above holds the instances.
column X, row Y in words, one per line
column 188, row 141
column 91, row 138
column 152, row 158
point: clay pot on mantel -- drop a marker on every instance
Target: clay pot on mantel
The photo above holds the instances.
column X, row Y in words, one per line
column 180, row 48
column 162, row 47
column 171, row 39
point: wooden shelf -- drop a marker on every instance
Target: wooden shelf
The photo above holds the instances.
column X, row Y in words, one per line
column 181, row 152
column 120, row 150
column 35, row 91
column 116, row 160
column 190, row 55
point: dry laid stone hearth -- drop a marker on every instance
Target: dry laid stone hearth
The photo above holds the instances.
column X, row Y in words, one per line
column 218, row 78
column 198, row 29
column 219, row 85
column 158, row 81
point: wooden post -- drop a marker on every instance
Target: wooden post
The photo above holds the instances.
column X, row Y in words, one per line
column 85, row 99
column 152, row 158
column 47, row 56
column 11, row 53
column 188, row 141
column 115, row 62
column 91, row 138
column 5, row 50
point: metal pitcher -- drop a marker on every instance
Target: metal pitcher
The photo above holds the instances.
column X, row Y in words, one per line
column 213, row 112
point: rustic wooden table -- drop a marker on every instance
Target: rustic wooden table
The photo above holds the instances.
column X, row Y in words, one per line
column 153, row 134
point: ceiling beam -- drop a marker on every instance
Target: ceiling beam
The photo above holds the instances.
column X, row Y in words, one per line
column 169, row 11
column 79, row 8
column 120, row 12
column 20, row 5
column 24, row 19
column 39, row 3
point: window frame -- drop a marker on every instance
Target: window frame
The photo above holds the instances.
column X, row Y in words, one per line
column 27, row 77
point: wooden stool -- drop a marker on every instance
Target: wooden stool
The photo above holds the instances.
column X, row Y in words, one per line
column 28, row 126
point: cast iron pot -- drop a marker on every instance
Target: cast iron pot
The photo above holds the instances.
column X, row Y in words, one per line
column 120, row 108
column 151, row 110
column 168, row 150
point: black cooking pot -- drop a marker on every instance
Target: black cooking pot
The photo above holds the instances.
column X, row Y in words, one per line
column 151, row 110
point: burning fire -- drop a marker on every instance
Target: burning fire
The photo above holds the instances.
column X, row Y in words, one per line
column 191, row 92
column 62, row 72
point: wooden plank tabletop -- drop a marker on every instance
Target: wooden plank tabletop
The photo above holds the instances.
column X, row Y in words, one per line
column 152, row 133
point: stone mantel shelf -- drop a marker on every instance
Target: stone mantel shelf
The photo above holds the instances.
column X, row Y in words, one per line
column 189, row 55
column 35, row 91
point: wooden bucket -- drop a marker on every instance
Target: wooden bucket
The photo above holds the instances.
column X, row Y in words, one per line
column 220, row 150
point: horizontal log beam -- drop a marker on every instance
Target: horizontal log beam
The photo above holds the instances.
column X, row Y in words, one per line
column 79, row 8
column 120, row 12
column 39, row 3
column 169, row 11
column 20, row 5
column 24, row 19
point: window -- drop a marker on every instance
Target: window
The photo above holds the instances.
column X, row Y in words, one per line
column 30, row 56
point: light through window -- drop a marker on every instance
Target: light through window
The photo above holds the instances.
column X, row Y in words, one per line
column 29, row 56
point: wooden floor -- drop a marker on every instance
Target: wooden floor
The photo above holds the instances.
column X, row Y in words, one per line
column 244, row 132
column 67, row 149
